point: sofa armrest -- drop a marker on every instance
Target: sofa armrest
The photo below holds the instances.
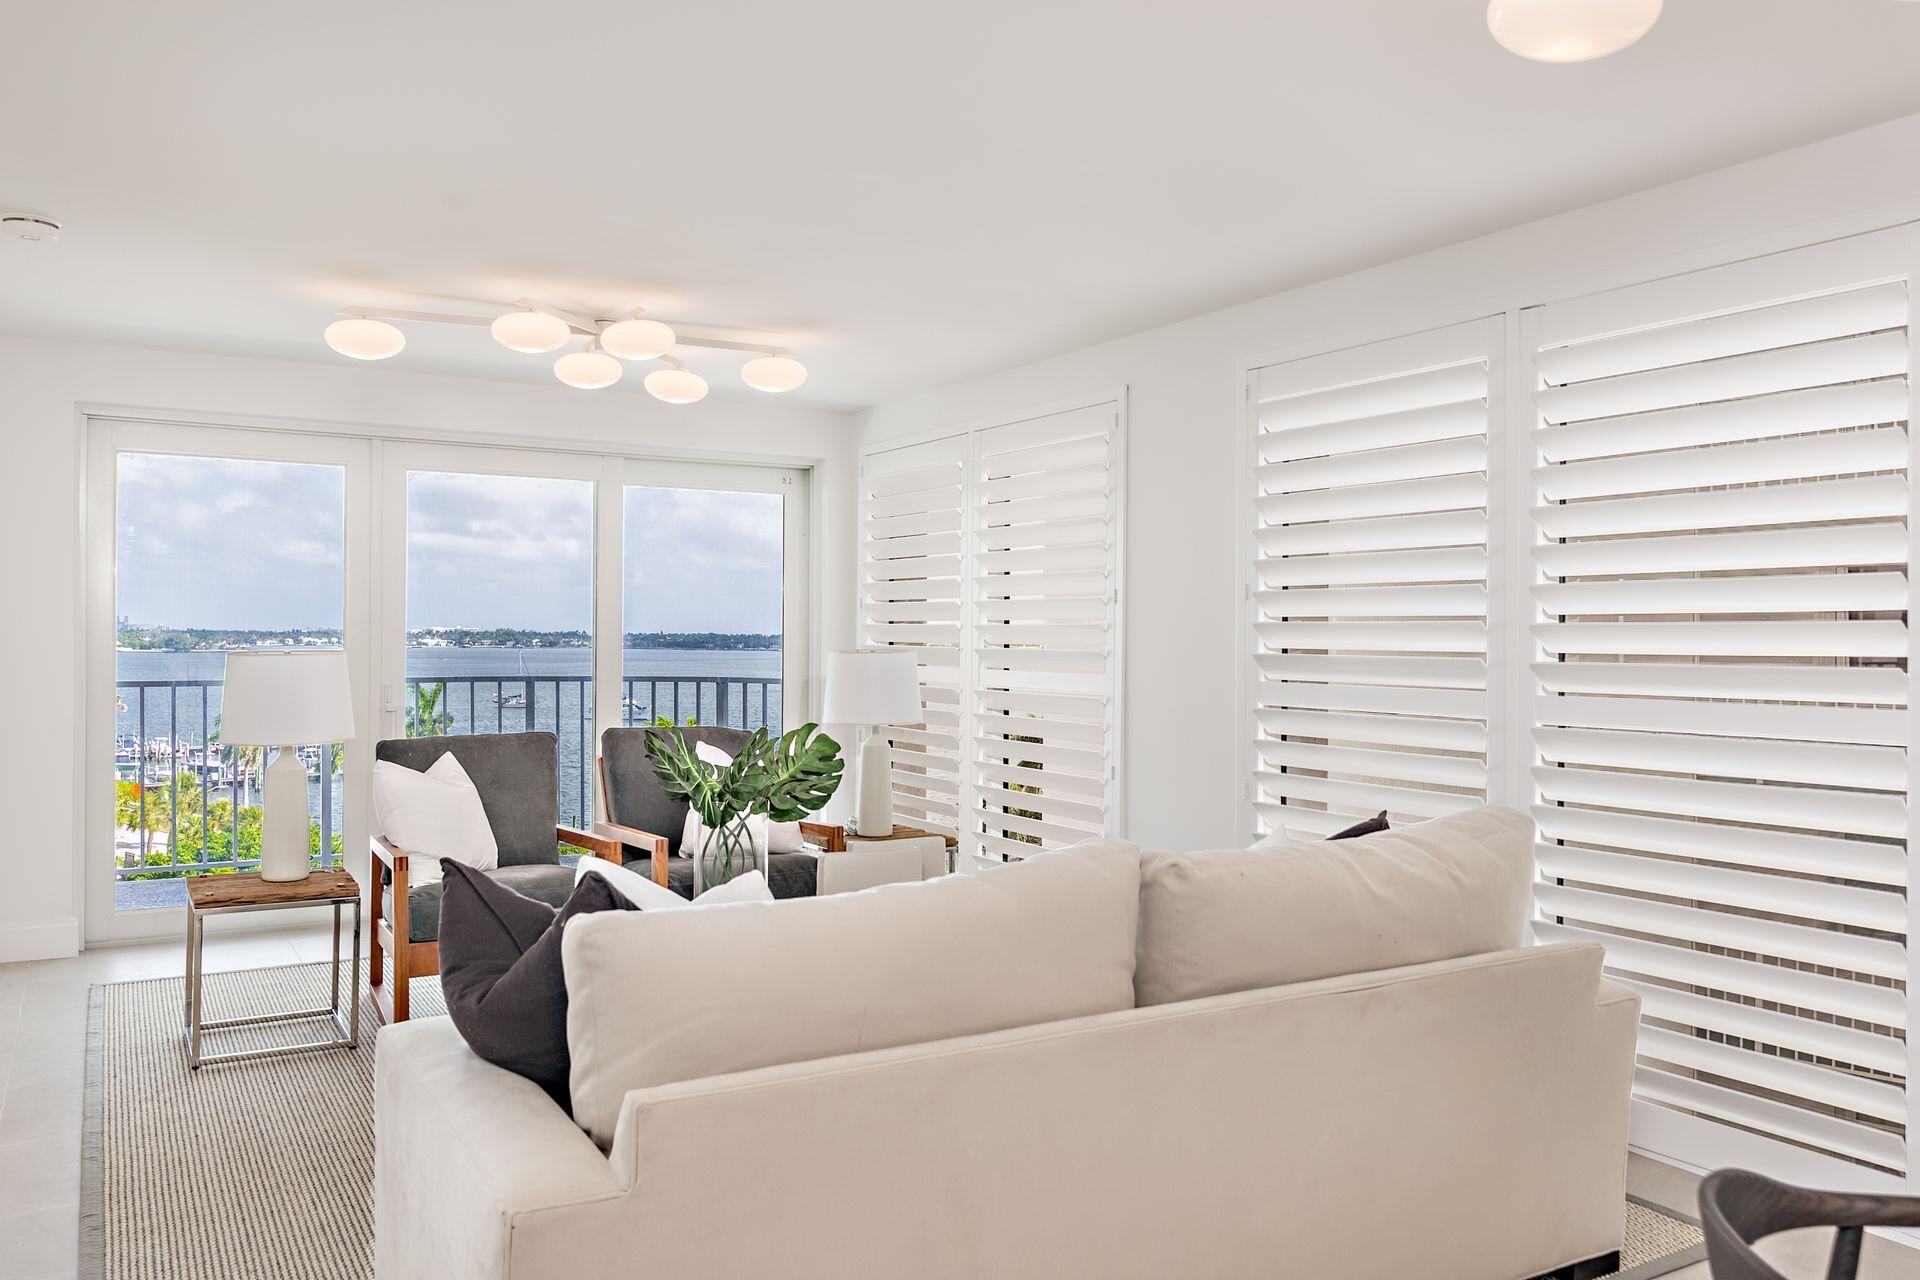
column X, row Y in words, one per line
column 463, row 1151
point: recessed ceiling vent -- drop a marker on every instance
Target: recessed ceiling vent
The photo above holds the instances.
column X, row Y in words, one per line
column 28, row 226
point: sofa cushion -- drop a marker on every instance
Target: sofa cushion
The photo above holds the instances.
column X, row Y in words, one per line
column 549, row 884
column 500, row 970
column 755, row 984
column 1241, row 919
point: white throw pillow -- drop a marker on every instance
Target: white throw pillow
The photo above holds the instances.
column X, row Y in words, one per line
column 433, row 815
column 648, row 896
column 754, row 985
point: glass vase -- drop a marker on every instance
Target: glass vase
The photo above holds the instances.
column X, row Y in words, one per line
column 728, row 852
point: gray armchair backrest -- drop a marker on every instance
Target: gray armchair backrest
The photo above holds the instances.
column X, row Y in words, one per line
column 634, row 797
column 514, row 774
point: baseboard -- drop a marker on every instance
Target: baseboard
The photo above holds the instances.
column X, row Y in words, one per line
column 43, row 940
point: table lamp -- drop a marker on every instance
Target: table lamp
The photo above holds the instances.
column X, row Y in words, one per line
column 873, row 688
column 285, row 700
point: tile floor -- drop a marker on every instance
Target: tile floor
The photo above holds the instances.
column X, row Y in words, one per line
column 43, row 1011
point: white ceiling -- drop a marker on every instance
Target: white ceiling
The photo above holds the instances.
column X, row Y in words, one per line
column 908, row 194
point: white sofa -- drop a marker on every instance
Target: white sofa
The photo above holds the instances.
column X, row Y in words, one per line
column 1460, row 1119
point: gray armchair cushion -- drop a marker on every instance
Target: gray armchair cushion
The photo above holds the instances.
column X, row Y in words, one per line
column 548, row 884
column 789, row 875
column 634, row 797
column 515, row 775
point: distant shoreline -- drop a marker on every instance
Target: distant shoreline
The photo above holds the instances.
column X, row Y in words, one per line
column 209, row 640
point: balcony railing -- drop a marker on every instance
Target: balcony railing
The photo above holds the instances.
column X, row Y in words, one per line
column 185, row 804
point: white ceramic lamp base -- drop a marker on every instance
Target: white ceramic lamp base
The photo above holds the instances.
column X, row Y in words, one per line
column 874, row 818
column 284, row 852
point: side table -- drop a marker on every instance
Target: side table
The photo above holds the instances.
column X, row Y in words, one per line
column 227, row 895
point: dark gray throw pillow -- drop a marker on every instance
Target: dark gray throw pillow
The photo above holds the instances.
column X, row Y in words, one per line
column 1365, row 828
column 500, row 970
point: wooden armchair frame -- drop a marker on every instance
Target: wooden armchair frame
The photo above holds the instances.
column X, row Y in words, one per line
column 1738, row 1207
column 390, row 935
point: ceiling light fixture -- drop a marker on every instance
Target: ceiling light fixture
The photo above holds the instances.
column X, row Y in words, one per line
column 365, row 339
column 638, row 339
column 773, row 373
column 536, row 328
column 1569, row 30
column 589, row 370
column 531, row 332
column 676, row 384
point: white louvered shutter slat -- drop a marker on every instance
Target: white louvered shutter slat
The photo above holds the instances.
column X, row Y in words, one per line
column 1721, row 718
column 1370, row 565
column 1370, row 550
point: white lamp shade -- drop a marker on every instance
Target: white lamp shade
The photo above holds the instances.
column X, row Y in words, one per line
column 1570, row 30
column 532, row 332
column 773, row 373
column 587, row 370
column 872, row 686
column 365, row 339
column 637, row 339
column 286, row 699
column 676, row 386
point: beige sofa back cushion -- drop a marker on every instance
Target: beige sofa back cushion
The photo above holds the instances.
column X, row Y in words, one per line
column 1241, row 919
column 682, row 995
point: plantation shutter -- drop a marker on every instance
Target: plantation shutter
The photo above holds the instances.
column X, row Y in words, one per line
column 912, row 583
column 994, row 555
column 1044, row 604
column 1722, row 712
column 1370, row 599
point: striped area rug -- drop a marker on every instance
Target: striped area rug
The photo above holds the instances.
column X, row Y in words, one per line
column 264, row 1170
column 249, row 1171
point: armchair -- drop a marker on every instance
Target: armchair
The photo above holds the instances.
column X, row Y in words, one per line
column 514, row 774
column 647, row 822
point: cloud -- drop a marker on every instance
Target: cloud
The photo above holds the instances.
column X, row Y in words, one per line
column 226, row 543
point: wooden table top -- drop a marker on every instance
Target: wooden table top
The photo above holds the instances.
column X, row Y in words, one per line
column 211, row 893
column 905, row 833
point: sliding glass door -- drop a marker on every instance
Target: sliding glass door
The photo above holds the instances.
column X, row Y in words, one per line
column 493, row 616
column 712, row 594
column 214, row 541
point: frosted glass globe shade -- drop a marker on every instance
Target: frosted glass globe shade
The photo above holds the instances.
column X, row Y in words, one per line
column 1569, row 30
column 637, row 339
column 365, row 339
column 587, row 370
column 532, row 332
column 773, row 373
column 676, row 386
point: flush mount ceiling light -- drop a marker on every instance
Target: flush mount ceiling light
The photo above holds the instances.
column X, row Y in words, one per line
column 589, row 370
column 638, row 339
column 531, row 332
column 676, row 384
column 365, row 339
column 1570, row 30
column 773, row 373
column 534, row 329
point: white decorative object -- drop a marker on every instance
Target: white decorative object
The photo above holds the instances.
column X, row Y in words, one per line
column 285, row 700
column 433, row 815
column 873, row 688
column 1570, row 30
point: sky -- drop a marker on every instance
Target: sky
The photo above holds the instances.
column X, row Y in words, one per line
column 232, row 544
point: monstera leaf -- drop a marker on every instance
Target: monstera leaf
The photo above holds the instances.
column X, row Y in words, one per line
column 785, row 778
column 796, row 774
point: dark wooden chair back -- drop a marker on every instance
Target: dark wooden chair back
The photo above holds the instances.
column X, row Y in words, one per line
column 1738, row 1207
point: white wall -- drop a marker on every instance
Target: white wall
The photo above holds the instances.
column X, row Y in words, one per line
column 43, row 388
column 1184, row 649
